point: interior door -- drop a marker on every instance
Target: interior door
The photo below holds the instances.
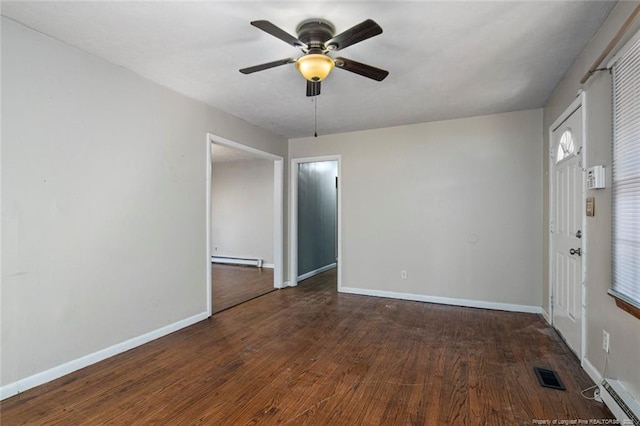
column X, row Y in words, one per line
column 566, row 227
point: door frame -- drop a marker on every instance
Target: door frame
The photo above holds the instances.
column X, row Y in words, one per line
column 278, row 211
column 580, row 101
column 293, row 216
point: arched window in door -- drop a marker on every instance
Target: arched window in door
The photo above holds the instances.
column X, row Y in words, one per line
column 566, row 147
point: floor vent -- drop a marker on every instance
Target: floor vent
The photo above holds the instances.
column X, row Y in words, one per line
column 548, row 378
column 237, row 261
column 620, row 402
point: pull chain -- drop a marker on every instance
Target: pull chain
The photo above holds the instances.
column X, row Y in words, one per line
column 315, row 116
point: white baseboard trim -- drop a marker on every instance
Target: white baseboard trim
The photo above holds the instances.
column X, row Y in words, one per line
column 444, row 300
column 268, row 265
column 316, row 272
column 591, row 370
column 37, row 379
column 546, row 316
column 594, row 374
column 281, row 285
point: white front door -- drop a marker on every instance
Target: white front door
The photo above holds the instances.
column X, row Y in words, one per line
column 566, row 228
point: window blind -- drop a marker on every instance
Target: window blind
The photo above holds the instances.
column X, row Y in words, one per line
column 626, row 177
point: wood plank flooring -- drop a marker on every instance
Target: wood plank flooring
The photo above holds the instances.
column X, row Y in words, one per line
column 308, row 355
column 232, row 284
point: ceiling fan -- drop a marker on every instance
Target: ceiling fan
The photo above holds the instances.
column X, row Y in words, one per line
column 316, row 38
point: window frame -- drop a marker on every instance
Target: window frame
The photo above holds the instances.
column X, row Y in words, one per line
column 623, row 301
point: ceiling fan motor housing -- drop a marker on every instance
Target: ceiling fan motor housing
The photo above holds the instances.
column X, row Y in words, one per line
column 314, row 33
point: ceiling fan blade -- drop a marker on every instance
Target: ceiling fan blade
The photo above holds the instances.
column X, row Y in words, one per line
column 266, row 66
column 313, row 88
column 356, row 34
column 362, row 69
column 277, row 32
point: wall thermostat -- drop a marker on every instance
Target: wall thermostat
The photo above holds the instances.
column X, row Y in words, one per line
column 595, row 177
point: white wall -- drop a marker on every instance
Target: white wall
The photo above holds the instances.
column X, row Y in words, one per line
column 455, row 203
column 242, row 209
column 602, row 313
column 104, row 204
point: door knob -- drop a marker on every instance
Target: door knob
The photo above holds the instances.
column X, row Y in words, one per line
column 577, row 251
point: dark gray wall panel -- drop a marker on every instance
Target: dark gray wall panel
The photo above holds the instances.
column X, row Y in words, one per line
column 317, row 215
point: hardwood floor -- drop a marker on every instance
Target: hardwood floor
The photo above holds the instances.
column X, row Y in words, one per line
column 308, row 355
column 232, row 284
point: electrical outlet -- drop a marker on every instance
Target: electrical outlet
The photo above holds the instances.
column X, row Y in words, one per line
column 403, row 274
column 605, row 341
column 215, row 248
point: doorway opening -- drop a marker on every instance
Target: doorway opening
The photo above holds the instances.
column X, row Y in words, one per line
column 244, row 242
column 315, row 234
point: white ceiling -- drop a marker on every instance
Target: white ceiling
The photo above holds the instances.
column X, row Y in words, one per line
column 446, row 59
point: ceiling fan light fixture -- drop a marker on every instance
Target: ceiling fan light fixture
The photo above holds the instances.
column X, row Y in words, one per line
column 315, row 66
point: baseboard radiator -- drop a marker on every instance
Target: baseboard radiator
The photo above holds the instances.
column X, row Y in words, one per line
column 621, row 403
column 237, row 261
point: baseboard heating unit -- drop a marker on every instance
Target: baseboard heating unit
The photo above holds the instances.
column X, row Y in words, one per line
column 237, row 261
column 621, row 403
